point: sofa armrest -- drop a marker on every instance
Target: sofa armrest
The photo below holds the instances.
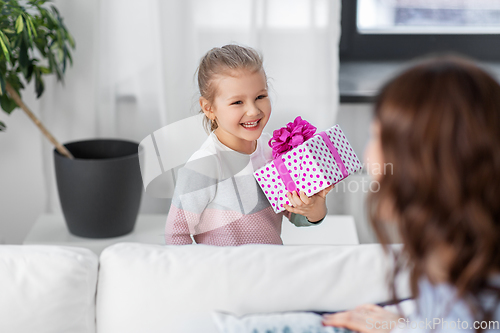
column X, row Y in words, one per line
column 47, row 289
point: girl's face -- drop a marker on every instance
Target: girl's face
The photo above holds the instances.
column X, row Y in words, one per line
column 241, row 108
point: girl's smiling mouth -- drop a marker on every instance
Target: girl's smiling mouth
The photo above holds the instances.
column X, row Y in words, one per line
column 251, row 124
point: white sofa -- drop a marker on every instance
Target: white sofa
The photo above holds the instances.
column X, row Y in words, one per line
column 151, row 288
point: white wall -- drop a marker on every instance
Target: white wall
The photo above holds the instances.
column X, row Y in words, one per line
column 24, row 183
column 349, row 196
column 22, row 194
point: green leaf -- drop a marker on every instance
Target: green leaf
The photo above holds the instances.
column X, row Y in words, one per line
column 45, row 70
column 60, row 55
column 3, row 90
column 24, row 59
column 39, row 86
column 9, row 31
column 70, row 39
column 69, row 57
column 18, row 39
column 30, row 23
column 51, row 20
column 28, row 72
column 4, row 44
column 30, row 38
column 7, row 104
column 53, row 65
column 55, row 10
column 41, row 44
column 19, row 24
column 15, row 82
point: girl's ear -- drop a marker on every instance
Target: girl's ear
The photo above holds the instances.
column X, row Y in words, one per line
column 206, row 107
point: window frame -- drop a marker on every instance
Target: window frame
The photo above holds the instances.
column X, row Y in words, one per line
column 389, row 47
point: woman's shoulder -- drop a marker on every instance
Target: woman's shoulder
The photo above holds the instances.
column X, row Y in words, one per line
column 441, row 300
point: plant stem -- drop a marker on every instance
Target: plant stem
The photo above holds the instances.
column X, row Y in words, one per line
column 15, row 96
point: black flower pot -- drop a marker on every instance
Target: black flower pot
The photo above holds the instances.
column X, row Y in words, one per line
column 100, row 189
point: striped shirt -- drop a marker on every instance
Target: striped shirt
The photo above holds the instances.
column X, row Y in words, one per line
column 217, row 201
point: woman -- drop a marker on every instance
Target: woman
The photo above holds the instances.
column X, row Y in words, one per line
column 438, row 124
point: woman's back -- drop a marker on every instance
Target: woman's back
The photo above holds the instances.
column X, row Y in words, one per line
column 438, row 125
column 441, row 309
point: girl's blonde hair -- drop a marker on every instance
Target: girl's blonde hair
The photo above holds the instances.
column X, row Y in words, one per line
column 223, row 61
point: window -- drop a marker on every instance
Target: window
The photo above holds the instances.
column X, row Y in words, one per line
column 404, row 29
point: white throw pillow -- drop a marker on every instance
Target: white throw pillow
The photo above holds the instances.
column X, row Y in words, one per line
column 157, row 289
column 47, row 289
column 290, row 322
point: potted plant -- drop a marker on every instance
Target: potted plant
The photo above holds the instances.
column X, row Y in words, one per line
column 99, row 181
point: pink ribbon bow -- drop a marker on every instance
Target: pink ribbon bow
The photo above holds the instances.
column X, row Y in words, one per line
column 291, row 136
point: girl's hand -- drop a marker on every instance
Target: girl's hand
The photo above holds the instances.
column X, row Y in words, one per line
column 366, row 318
column 314, row 207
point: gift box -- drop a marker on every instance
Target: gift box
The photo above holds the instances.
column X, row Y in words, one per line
column 305, row 160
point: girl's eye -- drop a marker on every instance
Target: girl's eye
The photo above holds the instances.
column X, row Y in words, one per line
column 236, row 103
column 261, row 96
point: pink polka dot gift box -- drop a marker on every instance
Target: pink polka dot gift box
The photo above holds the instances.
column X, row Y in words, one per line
column 305, row 160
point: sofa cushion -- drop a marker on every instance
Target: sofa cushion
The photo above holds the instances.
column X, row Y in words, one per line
column 153, row 288
column 47, row 289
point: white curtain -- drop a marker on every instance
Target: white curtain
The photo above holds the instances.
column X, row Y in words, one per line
column 134, row 66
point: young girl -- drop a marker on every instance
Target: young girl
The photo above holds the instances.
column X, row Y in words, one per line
column 217, row 200
column 438, row 124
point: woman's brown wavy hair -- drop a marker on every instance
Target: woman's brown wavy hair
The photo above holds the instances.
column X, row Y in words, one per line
column 440, row 129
